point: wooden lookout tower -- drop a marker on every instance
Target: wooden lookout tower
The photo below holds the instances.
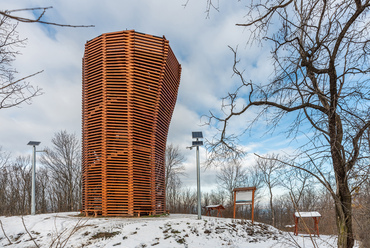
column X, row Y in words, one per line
column 130, row 84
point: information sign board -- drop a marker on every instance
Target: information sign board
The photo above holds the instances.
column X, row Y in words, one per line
column 244, row 196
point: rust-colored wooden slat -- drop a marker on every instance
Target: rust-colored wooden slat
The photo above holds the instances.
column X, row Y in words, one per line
column 130, row 84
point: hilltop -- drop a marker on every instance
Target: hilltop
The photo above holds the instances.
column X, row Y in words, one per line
column 175, row 230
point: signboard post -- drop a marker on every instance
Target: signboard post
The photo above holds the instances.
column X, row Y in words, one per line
column 244, row 196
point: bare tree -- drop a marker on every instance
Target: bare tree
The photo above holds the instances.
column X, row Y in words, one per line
column 174, row 168
column 13, row 91
column 320, row 51
column 270, row 177
column 296, row 181
column 64, row 163
column 43, row 190
column 4, row 158
column 4, row 180
column 232, row 175
column 218, row 197
column 188, row 201
column 16, row 187
column 173, row 193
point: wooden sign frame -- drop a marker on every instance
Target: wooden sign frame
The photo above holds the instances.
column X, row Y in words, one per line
column 244, row 196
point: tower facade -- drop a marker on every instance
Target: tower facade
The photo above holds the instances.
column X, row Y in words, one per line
column 130, row 84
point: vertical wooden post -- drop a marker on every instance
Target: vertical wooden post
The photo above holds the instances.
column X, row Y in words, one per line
column 317, row 225
column 234, row 202
column 253, row 206
column 104, row 198
column 130, row 66
column 295, row 225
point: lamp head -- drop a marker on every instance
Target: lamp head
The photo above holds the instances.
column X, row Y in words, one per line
column 34, row 143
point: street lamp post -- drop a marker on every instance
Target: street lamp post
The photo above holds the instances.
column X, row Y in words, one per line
column 33, row 193
column 197, row 143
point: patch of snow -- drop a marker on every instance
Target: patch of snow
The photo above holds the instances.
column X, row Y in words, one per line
column 307, row 214
column 175, row 230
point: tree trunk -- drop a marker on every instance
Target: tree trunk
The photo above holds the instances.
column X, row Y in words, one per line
column 343, row 202
column 272, row 208
column 343, row 213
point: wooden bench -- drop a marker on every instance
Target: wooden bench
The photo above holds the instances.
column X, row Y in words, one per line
column 139, row 212
column 314, row 215
column 219, row 209
column 94, row 212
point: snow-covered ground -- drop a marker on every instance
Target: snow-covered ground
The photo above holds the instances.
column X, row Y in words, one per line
column 175, row 230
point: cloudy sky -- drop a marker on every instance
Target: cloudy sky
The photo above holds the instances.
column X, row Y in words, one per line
column 200, row 44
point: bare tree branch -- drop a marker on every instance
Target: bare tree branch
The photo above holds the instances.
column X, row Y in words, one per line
column 8, row 13
column 2, row 228
column 29, row 234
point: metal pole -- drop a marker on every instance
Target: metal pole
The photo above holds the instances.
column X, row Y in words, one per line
column 198, row 186
column 33, row 205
